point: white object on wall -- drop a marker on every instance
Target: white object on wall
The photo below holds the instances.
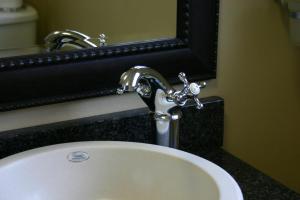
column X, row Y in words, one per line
column 11, row 4
column 17, row 27
column 293, row 7
column 294, row 20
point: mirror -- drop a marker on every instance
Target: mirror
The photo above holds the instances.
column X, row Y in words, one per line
column 122, row 21
column 41, row 79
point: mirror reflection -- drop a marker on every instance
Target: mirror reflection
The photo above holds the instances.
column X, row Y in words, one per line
column 37, row 26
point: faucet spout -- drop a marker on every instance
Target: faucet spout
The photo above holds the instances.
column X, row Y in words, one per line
column 136, row 76
column 146, row 82
column 56, row 40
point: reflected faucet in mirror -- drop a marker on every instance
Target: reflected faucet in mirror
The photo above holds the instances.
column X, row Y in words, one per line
column 162, row 99
column 58, row 40
column 25, row 25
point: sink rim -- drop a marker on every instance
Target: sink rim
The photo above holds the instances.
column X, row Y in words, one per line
column 228, row 187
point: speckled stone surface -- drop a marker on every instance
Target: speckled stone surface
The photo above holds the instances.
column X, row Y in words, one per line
column 202, row 130
column 135, row 126
column 201, row 133
column 254, row 184
column 196, row 132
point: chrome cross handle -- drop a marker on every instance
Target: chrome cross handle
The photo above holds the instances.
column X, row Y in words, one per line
column 189, row 91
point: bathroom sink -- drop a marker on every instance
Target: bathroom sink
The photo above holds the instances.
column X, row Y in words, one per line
column 113, row 171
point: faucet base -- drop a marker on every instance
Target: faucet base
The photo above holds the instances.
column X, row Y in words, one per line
column 167, row 127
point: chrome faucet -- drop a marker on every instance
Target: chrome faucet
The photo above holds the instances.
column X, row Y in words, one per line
column 162, row 99
column 56, row 40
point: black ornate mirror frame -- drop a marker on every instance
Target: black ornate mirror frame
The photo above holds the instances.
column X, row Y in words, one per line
column 58, row 77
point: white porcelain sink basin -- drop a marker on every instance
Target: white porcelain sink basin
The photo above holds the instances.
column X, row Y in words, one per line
column 113, row 171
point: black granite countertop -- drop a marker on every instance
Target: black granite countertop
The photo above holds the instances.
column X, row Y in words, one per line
column 201, row 134
column 254, row 184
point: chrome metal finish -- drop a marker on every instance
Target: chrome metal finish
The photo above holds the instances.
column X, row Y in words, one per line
column 190, row 91
column 78, row 156
column 56, row 40
column 102, row 40
column 140, row 77
column 131, row 79
column 162, row 99
column 176, row 115
column 162, row 117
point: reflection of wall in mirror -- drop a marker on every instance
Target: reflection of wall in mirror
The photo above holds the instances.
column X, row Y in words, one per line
column 120, row 20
